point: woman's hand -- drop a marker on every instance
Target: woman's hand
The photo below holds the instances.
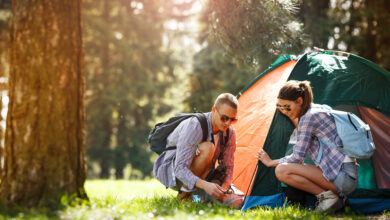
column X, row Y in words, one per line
column 265, row 159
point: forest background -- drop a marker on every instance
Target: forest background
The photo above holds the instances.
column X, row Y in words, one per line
column 146, row 60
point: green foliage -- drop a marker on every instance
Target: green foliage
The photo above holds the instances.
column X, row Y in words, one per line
column 128, row 71
column 253, row 31
column 316, row 23
column 213, row 73
column 361, row 27
column 241, row 39
column 150, row 199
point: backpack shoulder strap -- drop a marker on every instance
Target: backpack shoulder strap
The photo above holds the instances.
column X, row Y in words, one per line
column 320, row 151
column 224, row 139
column 227, row 136
column 203, row 123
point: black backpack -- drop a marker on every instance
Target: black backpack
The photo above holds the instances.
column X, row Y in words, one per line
column 158, row 136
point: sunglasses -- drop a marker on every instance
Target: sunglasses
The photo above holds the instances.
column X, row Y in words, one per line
column 284, row 108
column 225, row 118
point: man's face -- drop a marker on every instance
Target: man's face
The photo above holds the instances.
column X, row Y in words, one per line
column 224, row 116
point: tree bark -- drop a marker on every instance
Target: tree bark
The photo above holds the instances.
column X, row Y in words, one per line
column 44, row 140
column 371, row 38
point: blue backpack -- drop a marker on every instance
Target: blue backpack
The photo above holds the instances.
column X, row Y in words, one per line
column 353, row 132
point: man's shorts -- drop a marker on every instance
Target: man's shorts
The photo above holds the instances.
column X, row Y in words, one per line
column 347, row 179
column 179, row 184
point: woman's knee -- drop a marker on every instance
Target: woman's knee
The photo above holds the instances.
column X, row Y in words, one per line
column 206, row 148
column 281, row 172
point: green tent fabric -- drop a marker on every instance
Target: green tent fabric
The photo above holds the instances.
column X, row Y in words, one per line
column 338, row 80
column 335, row 80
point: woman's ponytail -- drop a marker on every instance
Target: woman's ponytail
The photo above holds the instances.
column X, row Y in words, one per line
column 307, row 96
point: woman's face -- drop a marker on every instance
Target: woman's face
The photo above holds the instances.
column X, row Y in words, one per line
column 290, row 108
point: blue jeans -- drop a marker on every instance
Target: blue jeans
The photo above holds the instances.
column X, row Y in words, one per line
column 347, row 179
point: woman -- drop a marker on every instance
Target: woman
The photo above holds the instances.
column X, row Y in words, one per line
column 336, row 174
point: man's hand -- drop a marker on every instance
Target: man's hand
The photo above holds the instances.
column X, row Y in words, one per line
column 225, row 186
column 212, row 189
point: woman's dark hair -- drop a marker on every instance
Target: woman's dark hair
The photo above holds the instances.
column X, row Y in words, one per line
column 293, row 89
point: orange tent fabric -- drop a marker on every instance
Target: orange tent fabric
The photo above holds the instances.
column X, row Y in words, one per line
column 259, row 105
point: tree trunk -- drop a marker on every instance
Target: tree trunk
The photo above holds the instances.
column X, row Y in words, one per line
column 44, row 143
column 371, row 48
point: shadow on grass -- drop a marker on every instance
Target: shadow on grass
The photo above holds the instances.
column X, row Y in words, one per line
column 50, row 209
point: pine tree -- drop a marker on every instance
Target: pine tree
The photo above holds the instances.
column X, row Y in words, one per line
column 44, row 145
column 241, row 38
column 256, row 31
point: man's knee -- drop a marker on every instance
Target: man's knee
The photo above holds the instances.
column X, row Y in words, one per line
column 206, row 148
column 203, row 158
column 281, row 172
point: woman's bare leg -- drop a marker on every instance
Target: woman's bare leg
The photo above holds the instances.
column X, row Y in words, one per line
column 305, row 177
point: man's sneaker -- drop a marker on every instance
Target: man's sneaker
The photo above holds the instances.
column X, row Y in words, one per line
column 326, row 200
column 184, row 195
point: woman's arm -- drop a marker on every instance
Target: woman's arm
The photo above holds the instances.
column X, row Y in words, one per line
column 304, row 136
column 265, row 159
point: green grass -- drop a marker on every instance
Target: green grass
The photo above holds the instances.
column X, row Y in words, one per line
column 150, row 200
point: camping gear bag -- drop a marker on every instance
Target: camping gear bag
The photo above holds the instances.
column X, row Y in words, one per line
column 353, row 132
column 158, row 136
column 217, row 175
column 232, row 197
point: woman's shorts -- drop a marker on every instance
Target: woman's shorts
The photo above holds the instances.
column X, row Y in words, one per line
column 347, row 179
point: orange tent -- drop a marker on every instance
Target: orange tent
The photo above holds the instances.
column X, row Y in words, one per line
column 257, row 104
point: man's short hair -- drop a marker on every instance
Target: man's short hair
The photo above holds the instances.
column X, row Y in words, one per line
column 226, row 98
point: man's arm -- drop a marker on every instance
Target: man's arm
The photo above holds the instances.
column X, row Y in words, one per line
column 189, row 137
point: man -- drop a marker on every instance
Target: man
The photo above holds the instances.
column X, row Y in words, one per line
column 187, row 166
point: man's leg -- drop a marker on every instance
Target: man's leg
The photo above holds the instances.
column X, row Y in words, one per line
column 200, row 164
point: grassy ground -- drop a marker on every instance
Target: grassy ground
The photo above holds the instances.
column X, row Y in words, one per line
column 150, row 200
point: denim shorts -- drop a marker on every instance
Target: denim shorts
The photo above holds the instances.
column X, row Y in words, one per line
column 347, row 179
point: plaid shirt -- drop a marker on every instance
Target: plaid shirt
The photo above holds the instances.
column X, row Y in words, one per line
column 323, row 126
column 174, row 164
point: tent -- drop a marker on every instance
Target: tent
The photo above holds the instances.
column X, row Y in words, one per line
column 341, row 80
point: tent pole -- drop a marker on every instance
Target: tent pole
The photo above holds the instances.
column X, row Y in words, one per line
column 250, row 183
